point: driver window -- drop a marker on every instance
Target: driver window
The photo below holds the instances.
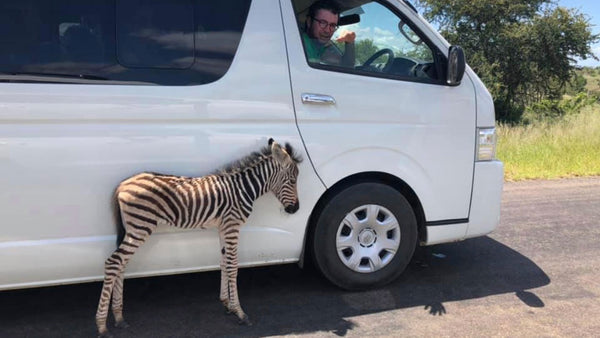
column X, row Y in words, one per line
column 368, row 38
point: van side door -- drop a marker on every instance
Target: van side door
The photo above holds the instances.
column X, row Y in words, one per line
column 391, row 111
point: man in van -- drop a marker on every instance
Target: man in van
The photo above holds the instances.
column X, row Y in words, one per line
column 321, row 23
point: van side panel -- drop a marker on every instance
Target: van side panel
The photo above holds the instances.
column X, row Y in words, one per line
column 64, row 149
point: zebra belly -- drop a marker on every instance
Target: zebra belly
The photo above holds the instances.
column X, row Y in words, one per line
column 165, row 226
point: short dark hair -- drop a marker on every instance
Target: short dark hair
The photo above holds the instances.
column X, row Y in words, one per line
column 329, row 5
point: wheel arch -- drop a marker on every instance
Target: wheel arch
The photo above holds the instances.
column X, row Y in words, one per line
column 371, row 177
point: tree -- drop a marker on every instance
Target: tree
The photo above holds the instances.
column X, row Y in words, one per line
column 523, row 50
column 364, row 49
column 577, row 84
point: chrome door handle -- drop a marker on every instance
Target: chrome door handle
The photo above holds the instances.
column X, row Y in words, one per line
column 317, row 98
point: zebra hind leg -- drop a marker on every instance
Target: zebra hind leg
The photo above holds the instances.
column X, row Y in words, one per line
column 117, row 303
column 114, row 268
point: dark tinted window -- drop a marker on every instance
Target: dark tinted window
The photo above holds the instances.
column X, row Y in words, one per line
column 55, row 36
column 166, row 42
column 155, row 33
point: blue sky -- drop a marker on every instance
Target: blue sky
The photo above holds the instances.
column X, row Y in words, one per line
column 591, row 8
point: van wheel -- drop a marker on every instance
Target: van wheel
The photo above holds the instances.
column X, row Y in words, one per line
column 364, row 237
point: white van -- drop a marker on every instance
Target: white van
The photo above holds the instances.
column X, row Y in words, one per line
column 398, row 148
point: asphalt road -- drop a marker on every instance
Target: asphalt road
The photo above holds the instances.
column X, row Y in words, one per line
column 537, row 275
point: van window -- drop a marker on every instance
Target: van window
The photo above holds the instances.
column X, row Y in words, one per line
column 384, row 44
column 155, row 34
column 162, row 42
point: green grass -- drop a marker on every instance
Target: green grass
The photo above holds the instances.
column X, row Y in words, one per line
column 569, row 147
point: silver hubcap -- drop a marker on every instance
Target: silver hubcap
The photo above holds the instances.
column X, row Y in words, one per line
column 368, row 238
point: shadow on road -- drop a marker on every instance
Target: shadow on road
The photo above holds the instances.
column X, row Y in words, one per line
column 279, row 300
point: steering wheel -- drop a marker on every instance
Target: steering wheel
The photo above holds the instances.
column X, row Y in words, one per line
column 379, row 53
column 420, row 70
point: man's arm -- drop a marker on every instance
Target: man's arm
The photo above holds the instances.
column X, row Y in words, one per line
column 349, row 56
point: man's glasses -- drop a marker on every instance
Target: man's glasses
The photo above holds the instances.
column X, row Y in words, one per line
column 324, row 24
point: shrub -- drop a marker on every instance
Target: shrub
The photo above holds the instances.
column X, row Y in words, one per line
column 550, row 110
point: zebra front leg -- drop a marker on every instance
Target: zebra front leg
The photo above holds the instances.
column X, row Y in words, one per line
column 229, row 270
column 224, row 294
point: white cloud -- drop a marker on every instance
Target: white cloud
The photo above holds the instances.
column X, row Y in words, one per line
column 383, row 32
column 381, row 37
column 356, row 28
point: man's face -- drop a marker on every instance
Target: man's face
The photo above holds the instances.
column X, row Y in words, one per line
column 314, row 25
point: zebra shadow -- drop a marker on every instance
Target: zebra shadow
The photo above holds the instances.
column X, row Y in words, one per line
column 280, row 300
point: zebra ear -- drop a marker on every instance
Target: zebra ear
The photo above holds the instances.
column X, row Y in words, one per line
column 271, row 140
column 278, row 152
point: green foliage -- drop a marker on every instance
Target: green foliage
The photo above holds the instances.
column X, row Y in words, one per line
column 551, row 110
column 523, row 50
column 422, row 54
column 577, row 84
column 364, row 49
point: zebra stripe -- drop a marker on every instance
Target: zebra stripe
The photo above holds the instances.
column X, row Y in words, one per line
column 223, row 200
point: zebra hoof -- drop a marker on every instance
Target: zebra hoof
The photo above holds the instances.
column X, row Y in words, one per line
column 245, row 321
column 105, row 335
column 226, row 306
column 122, row 325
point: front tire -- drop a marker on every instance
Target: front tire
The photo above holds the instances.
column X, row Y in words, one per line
column 364, row 237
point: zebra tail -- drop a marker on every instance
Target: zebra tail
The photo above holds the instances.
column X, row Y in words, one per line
column 118, row 220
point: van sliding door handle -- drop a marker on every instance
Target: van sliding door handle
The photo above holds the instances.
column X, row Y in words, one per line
column 317, row 99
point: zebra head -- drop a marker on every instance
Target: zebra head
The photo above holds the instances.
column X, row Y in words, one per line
column 285, row 176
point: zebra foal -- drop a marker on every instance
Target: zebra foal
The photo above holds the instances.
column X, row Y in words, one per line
column 223, row 200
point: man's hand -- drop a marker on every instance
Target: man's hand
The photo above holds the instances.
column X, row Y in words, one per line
column 346, row 36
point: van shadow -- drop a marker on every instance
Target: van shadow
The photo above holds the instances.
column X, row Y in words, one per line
column 280, row 300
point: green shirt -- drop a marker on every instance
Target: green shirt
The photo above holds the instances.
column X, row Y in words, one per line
column 328, row 53
column 314, row 50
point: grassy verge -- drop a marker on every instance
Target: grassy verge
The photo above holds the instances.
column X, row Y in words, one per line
column 546, row 150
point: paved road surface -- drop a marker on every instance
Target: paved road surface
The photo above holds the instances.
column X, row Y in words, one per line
column 537, row 275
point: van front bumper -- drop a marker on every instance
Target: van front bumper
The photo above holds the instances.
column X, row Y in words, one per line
column 488, row 181
column 484, row 214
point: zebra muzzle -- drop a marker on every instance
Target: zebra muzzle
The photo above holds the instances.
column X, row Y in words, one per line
column 290, row 209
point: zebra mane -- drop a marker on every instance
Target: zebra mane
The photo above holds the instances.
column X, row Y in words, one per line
column 256, row 157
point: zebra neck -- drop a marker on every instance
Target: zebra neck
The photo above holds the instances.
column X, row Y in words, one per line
column 256, row 180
